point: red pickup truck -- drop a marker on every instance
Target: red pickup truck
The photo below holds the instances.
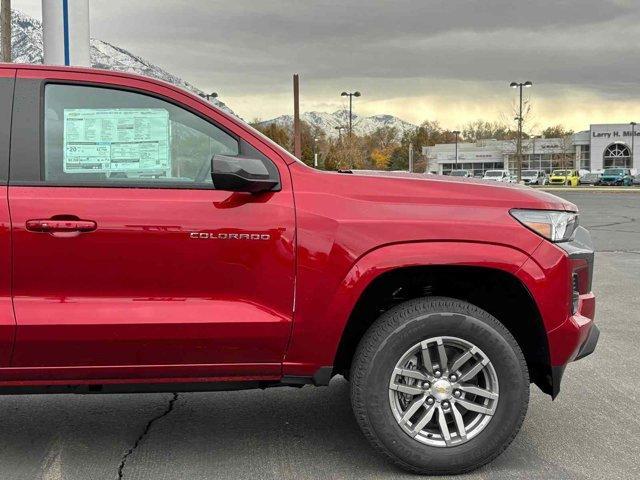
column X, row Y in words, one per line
column 150, row 242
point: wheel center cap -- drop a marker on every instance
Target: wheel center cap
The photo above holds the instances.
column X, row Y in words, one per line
column 441, row 389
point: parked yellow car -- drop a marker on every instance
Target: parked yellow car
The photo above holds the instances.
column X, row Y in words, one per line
column 564, row 177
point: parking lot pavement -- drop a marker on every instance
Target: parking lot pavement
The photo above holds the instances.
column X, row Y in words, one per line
column 590, row 431
column 612, row 218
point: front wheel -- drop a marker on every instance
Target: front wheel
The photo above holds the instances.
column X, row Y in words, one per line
column 439, row 386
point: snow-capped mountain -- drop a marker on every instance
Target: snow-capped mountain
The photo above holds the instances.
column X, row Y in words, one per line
column 327, row 122
column 26, row 47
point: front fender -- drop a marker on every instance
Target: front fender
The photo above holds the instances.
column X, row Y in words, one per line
column 318, row 328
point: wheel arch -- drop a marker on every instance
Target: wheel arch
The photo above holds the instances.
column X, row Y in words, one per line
column 482, row 274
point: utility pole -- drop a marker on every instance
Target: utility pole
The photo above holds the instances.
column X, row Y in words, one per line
column 5, row 24
column 297, row 143
column 519, row 118
column 411, row 158
column 350, row 95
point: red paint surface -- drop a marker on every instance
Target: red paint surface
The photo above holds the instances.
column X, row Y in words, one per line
column 7, row 319
column 138, row 298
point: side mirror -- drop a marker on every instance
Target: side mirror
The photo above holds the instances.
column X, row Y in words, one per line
column 240, row 174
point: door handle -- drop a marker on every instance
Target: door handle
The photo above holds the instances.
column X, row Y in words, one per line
column 53, row 225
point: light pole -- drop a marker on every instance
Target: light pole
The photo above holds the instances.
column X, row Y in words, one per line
column 350, row 95
column 633, row 138
column 456, row 133
column 520, row 85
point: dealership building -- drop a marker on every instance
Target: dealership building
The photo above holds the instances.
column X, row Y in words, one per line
column 602, row 146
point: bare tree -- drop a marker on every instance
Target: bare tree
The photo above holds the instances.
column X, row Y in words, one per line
column 566, row 158
column 528, row 126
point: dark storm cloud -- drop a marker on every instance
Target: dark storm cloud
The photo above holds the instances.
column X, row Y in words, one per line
column 394, row 49
column 254, row 43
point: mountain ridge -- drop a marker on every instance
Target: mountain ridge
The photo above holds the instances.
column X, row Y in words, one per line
column 328, row 122
column 27, row 47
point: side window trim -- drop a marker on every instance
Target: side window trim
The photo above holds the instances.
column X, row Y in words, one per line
column 28, row 156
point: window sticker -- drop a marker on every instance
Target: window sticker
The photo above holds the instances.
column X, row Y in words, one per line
column 106, row 140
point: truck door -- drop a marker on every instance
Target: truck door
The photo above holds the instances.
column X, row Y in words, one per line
column 127, row 261
column 7, row 319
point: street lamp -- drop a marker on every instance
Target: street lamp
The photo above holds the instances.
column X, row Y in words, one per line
column 520, row 85
column 456, row 133
column 350, row 95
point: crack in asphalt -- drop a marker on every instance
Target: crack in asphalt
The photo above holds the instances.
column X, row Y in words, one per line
column 614, row 224
column 636, row 252
column 166, row 412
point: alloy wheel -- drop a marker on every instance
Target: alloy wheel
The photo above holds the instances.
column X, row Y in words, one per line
column 443, row 391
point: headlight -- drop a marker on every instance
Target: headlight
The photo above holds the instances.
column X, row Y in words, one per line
column 557, row 226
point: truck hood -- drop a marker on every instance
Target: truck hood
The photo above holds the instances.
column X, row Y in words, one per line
column 364, row 210
column 413, row 187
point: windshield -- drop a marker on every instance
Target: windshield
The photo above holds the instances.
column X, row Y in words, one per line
column 562, row 173
column 614, row 171
column 529, row 173
column 493, row 173
column 458, row 173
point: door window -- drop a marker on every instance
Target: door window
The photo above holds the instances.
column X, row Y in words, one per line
column 95, row 135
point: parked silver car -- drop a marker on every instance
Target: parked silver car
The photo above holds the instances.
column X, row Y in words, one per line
column 590, row 179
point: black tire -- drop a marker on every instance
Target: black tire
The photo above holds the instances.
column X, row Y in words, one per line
column 382, row 346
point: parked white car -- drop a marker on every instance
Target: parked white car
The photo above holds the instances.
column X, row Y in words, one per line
column 534, row 177
column 496, row 175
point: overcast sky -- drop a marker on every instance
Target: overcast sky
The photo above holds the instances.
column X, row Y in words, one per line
column 446, row 60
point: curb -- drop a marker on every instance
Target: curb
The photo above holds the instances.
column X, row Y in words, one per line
column 590, row 189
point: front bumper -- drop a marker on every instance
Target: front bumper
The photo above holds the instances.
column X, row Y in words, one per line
column 576, row 337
